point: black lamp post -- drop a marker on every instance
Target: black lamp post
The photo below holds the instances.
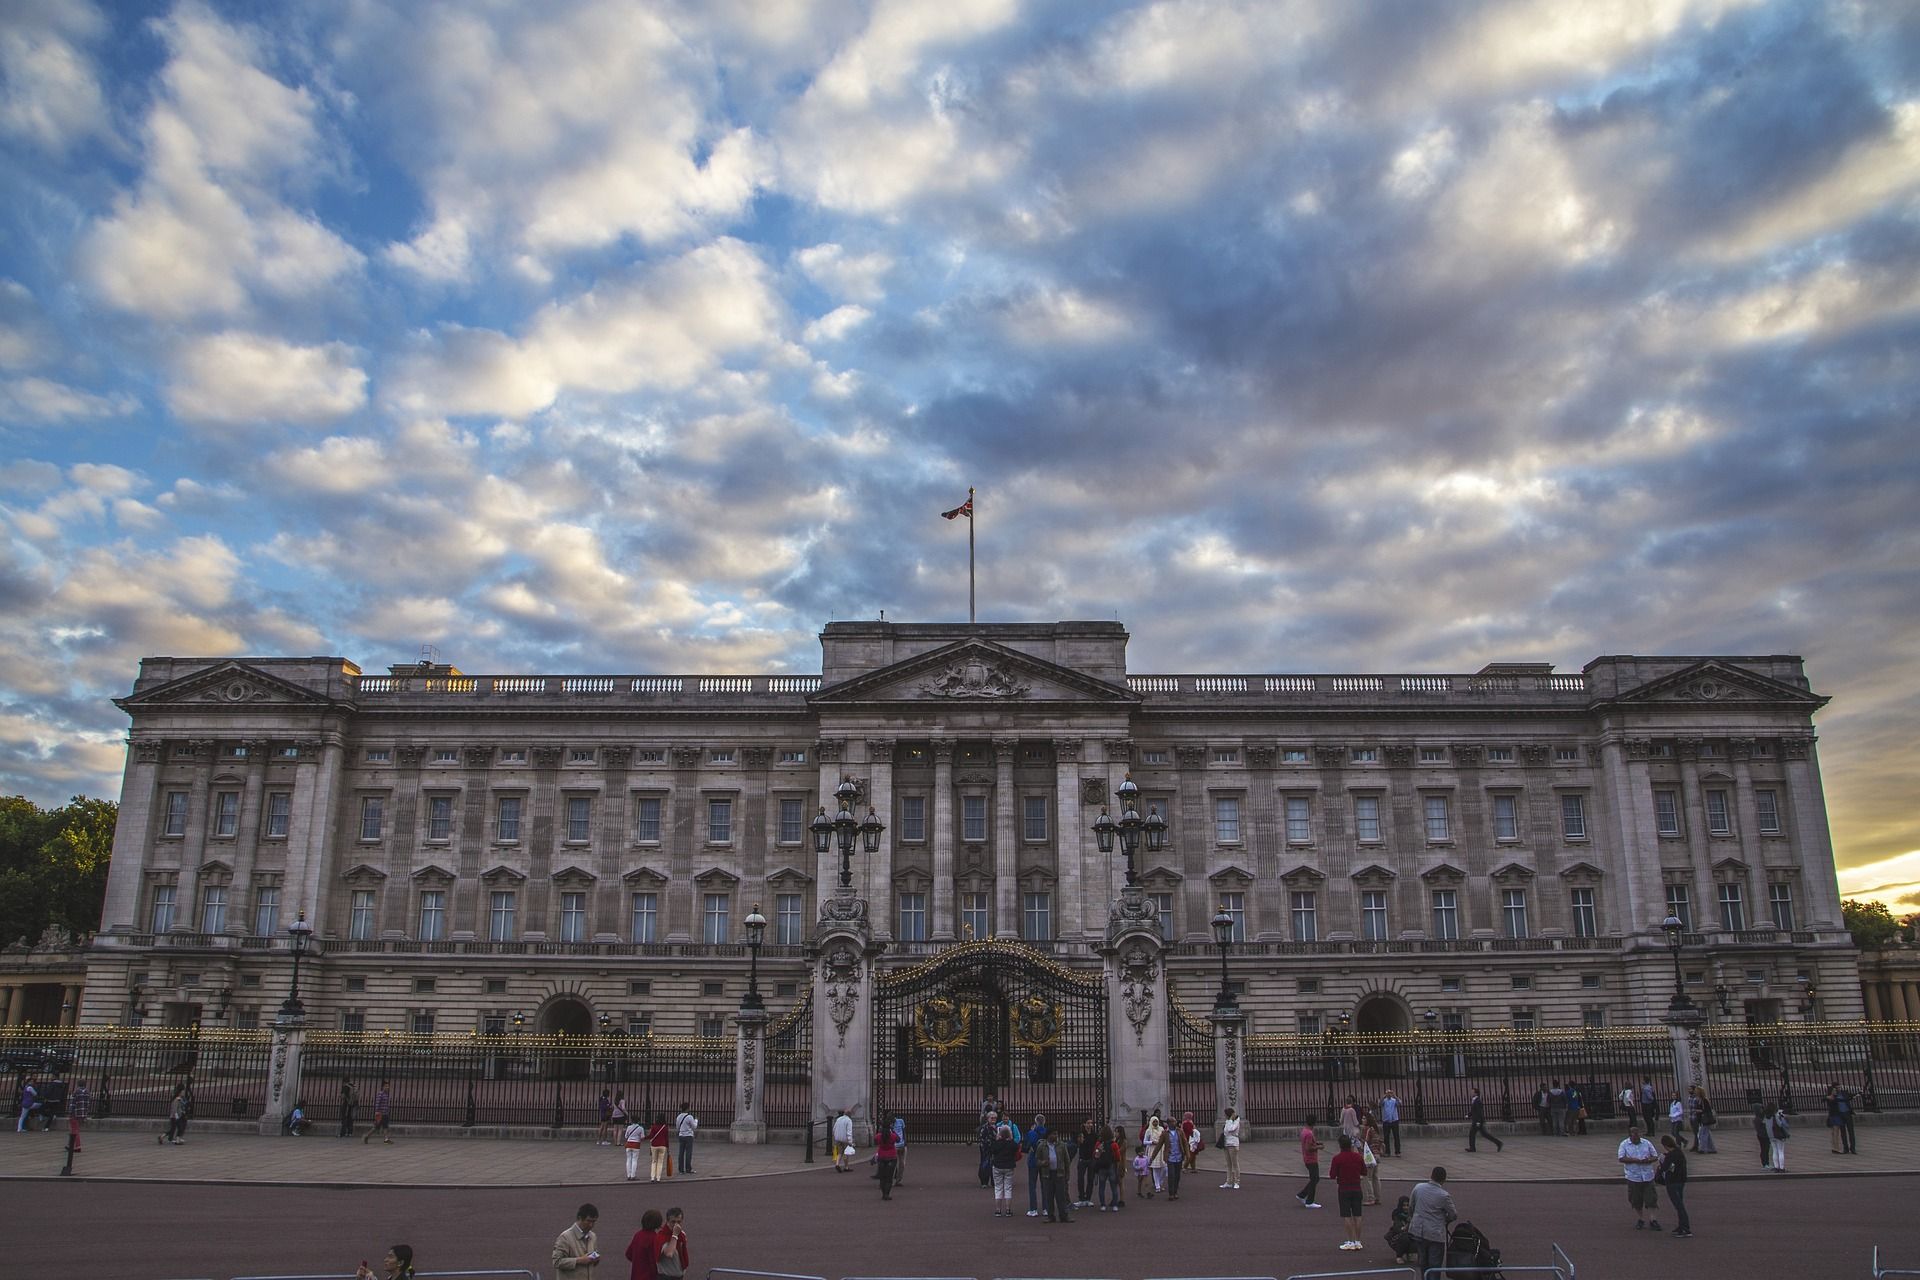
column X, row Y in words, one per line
column 1223, row 934
column 1680, row 1003
column 847, row 828
column 1130, row 826
column 300, row 935
column 756, row 931
column 1427, row 1020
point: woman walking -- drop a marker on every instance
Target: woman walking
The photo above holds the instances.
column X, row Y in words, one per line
column 1230, row 1145
column 886, row 1155
column 1156, row 1139
column 1703, row 1121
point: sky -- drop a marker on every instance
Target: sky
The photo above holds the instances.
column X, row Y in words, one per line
column 630, row 338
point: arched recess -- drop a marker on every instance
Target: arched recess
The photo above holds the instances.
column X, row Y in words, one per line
column 1382, row 1013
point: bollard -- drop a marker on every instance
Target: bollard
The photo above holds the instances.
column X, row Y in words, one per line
column 810, row 1125
column 73, row 1145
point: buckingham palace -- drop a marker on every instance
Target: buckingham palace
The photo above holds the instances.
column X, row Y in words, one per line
column 1488, row 850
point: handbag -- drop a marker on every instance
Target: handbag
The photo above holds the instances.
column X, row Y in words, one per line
column 1366, row 1154
column 848, row 1151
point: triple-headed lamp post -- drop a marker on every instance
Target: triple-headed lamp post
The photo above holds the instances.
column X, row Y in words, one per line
column 299, row 936
column 756, row 930
column 1222, row 923
column 1130, row 825
column 847, row 828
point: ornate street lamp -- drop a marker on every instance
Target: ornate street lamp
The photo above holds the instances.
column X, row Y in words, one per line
column 1130, row 826
column 847, row 828
column 299, row 935
column 756, row 930
column 1427, row 1020
column 1223, row 934
column 1680, row 1003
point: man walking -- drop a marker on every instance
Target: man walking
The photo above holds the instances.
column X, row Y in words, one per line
column 382, row 1116
column 349, row 1099
column 78, row 1109
column 686, row 1124
column 1649, row 1102
column 576, row 1252
column 1477, row 1124
column 1310, row 1157
column 1432, row 1221
column 1639, row 1158
column 842, row 1140
column 1390, row 1118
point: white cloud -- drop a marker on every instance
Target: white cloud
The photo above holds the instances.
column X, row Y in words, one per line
column 42, row 400
column 49, row 87
column 851, row 275
column 1064, row 317
column 836, row 324
column 236, row 377
column 337, row 465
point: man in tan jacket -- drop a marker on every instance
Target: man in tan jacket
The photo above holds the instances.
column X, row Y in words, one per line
column 576, row 1252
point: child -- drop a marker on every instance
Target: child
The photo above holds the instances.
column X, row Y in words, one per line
column 1140, row 1172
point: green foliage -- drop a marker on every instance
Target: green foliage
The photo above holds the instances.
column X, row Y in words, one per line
column 53, row 865
column 1871, row 924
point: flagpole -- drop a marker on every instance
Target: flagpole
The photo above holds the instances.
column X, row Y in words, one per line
column 972, row 517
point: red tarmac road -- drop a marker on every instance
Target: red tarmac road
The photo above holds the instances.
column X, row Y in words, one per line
column 820, row 1223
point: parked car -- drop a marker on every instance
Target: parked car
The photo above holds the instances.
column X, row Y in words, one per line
column 36, row 1059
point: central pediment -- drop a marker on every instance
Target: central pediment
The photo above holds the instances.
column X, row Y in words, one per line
column 974, row 671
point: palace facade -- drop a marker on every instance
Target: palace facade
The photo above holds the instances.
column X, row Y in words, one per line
column 483, row 852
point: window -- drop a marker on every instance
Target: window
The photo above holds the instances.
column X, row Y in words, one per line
column 1366, row 818
column 722, row 755
column 1719, row 817
column 513, row 755
column 500, row 912
column 1590, row 981
column 1433, row 755
column 379, row 755
column 719, row 820
column 1153, row 756
column 1780, row 903
column 913, row 917
column 1566, row 755
column 266, row 911
column 646, row 820
column 213, row 909
column 175, row 823
column 279, row 812
column 1307, row 986
column 1162, row 902
column 792, row 823
column 646, row 917
column 1439, row 827
column 1573, row 817
column 1680, row 906
column 423, row 1022
column 1452, row 986
column 425, row 986
column 1595, row 1018
column 640, row 1024
column 1294, row 755
column 1226, row 755
column 445, row 755
column 1499, row 755
column 1733, row 911
column 793, row 756
column 1033, row 817
column 356, row 984
column 1666, row 812
column 973, row 818
column 1235, row 905
column 439, row 817
column 508, row 826
column 1506, row 819
column 650, row 755
column 1586, row 923
column 581, row 755
column 1305, row 926
column 1766, row 804
column 789, row 920
column 913, row 819
column 1226, row 819
column 1299, row 820
column 1366, row 755
column 433, row 915
column 353, row 1020
column 975, row 919
column 1373, row 915
column 1036, row 917
column 1446, row 914
column 579, row 819
column 1308, row 1024
column 713, row 917
column 1513, row 912
column 226, row 813
column 1525, row 1020
column 713, row 988
column 712, row 1026
column 496, row 986
column 573, row 917
column 1520, row 981
column 360, row 916
column 372, row 816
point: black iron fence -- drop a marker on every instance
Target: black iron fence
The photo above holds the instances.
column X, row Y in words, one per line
column 788, row 1099
column 1190, row 1079
column 132, row 1071
column 1291, row 1078
column 1795, row 1064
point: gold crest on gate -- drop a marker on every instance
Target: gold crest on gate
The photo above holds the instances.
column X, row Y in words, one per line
column 1036, row 1024
column 941, row 1024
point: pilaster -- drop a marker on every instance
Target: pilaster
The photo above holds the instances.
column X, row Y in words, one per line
column 283, row 1073
column 1229, row 1065
column 842, row 952
column 749, row 1086
column 1006, row 867
column 946, row 924
column 1135, row 963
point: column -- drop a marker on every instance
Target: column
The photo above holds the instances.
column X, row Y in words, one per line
column 1006, row 887
column 1812, row 840
column 1901, row 1010
column 1137, row 1017
column 1912, row 990
column 6, row 1006
column 310, row 827
column 1229, row 1063
column 880, row 797
column 946, row 924
column 843, row 1012
column 131, row 835
column 1689, row 1048
column 1626, row 777
column 16, row 1006
column 283, row 1074
column 1076, row 911
column 749, row 1107
column 1871, row 992
column 70, row 1004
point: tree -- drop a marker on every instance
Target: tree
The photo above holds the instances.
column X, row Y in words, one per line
column 1871, row 924
column 53, row 865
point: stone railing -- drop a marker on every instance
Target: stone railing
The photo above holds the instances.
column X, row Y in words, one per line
column 1348, row 688
column 578, row 687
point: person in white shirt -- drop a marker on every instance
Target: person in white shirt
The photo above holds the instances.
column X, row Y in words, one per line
column 842, row 1139
column 1677, row 1117
column 686, row 1124
column 1640, row 1158
column 633, row 1138
column 1230, row 1143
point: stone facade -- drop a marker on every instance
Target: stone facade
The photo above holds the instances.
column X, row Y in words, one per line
column 1496, row 847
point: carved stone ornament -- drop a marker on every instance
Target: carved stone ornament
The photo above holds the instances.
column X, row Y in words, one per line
column 235, row 690
column 1795, row 748
column 149, row 750
column 1330, row 757
column 479, row 757
column 1399, row 757
column 1535, row 755
column 1639, row 748
column 686, row 757
column 840, row 975
column 409, row 757
column 1093, row 791
column 1689, row 748
column 756, row 757
column 1467, row 755
column 1230, row 1037
column 1261, row 757
column 880, row 750
column 943, row 749
column 843, row 910
column 828, row 750
column 546, row 757
column 974, row 677
column 1120, row 750
column 1066, row 750
column 1138, row 968
column 1740, row 748
column 616, row 757
column 1131, row 913
column 1595, row 755
column 748, row 1040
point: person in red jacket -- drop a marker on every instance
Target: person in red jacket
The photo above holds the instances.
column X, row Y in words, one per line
column 1348, row 1171
column 643, row 1251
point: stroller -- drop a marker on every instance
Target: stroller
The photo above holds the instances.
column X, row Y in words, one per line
column 1469, row 1247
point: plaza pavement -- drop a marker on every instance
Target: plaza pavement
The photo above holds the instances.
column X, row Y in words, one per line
column 423, row 1159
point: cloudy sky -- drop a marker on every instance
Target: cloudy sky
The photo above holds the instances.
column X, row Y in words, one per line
column 605, row 337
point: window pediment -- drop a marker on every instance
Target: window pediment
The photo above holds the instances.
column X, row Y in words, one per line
column 1036, row 879
column 216, row 871
column 1231, row 875
column 789, row 878
column 1581, row 873
column 644, row 878
column 1730, row 867
column 716, row 878
column 502, row 874
column 1303, row 877
column 432, row 874
column 574, row 875
column 1162, row 877
column 1374, row 876
column 1443, row 873
column 1513, row 872
column 364, row 873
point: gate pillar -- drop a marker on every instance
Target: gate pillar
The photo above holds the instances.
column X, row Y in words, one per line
column 749, row 1080
column 842, row 950
column 1229, row 1063
column 1685, row 1026
column 283, row 1071
column 1135, row 957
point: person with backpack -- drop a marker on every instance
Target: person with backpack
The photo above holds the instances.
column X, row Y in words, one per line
column 1840, row 1120
column 1031, row 1145
column 1778, row 1132
column 1703, row 1122
column 633, row 1137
